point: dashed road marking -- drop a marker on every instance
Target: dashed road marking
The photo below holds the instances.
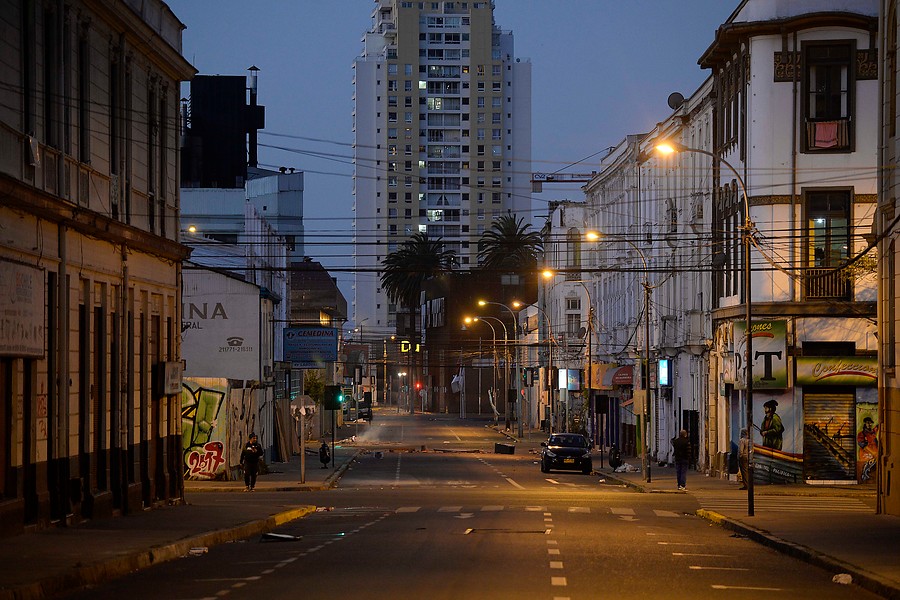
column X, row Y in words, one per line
column 700, row 568
column 558, row 581
column 556, row 564
column 622, row 511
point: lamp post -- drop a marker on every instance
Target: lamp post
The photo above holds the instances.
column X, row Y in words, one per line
column 548, row 274
column 550, row 364
column 673, row 147
column 470, row 320
column 645, row 360
column 400, row 376
column 518, row 404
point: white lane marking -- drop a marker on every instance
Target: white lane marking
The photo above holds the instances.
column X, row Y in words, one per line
column 556, row 564
column 513, row 483
column 399, row 458
column 254, row 578
column 558, row 581
column 746, row 587
column 621, row 511
column 450, row 509
column 492, row 508
column 464, row 516
column 458, row 439
column 553, row 551
column 553, row 481
column 552, row 542
column 677, row 544
column 561, row 598
column 704, row 555
column 534, row 508
column 666, row 513
column 579, row 509
column 548, row 514
column 408, row 509
column 699, row 568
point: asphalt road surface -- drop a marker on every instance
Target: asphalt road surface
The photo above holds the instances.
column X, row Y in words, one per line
column 456, row 521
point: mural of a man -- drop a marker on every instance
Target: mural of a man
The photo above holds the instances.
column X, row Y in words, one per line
column 771, row 429
column 867, row 440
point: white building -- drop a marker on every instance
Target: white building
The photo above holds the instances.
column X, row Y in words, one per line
column 790, row 113
column 442, row 120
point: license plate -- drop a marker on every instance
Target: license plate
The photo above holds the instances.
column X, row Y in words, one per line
column 569, row 461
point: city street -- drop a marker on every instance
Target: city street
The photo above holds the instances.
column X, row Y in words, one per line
column 429, row 510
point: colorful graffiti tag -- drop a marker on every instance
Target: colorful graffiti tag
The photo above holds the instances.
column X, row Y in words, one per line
column 202, row 443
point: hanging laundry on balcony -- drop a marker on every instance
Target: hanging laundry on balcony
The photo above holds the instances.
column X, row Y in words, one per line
column 827, row 134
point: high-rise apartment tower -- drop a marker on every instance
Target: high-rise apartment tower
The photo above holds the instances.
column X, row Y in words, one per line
column 442, row 122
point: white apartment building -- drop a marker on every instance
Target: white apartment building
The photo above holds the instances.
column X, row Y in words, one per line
column 442, row 123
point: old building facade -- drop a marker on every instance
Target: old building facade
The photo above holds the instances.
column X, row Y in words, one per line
column 89, row 259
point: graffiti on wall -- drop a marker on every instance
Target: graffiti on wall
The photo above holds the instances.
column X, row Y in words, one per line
column 866, row 441
column 203, row 441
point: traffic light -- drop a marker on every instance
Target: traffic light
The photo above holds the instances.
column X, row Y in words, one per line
column 332, row 398
column 418, row 385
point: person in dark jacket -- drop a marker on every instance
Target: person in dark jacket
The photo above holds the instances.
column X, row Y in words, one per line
column 324, row 455
column 250, row 456
column 682, row 451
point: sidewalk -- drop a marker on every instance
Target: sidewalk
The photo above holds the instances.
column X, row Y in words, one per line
column 835, row 530
column 41, row 564
column 838, row 535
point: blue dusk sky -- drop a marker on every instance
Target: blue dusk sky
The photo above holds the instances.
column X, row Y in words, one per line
column 601, row 70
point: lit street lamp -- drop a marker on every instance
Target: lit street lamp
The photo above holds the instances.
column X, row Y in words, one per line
column 672, row 147
column 471, row 320
column 518, row 404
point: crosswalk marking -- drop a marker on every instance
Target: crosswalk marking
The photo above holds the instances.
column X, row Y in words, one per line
column 618, row 511
column 784, row 503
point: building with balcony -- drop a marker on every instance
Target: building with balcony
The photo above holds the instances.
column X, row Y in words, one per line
column 442, row 123
column 90, row 260
column 783, row 126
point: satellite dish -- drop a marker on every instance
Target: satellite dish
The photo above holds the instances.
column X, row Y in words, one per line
column 675, row 100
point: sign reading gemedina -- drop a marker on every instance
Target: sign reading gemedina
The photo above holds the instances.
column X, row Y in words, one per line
column 310, row 347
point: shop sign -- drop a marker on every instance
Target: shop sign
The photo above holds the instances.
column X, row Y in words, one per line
column 837, row 370
column 770, row 364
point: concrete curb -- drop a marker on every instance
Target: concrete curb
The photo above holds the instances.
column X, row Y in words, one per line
column 861, row 577
column 638, row 486
column 105, row 570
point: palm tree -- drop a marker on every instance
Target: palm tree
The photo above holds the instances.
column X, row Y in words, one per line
column 406, row 269
column 508, row 245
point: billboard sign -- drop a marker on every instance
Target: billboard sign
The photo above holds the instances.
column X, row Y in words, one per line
column 310, row 347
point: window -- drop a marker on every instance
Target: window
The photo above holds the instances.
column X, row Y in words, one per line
column 573, row 325
column 407, row 85
column 407, row 69
column 828, row 87
column 392, row 100
column 495, row 102
column 392, row 69
column 573, row 255
column 827, row 243
column 392, row 85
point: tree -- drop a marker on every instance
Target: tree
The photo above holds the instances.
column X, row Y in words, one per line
column 406, row 269
column 509, row 245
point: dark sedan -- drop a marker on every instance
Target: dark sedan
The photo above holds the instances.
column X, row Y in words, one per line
column 569, row 451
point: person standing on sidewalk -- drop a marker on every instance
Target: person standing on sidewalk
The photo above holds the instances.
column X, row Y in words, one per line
column 744, row 458
column 324, row 455
column 250, row 456
column 682, row 451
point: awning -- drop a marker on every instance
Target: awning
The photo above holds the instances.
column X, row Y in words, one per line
column 619, row 376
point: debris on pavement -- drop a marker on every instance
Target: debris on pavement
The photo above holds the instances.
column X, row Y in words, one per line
column 198, row 550
column 842, row 578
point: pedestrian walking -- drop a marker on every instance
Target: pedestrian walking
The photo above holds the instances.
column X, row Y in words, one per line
column 744, row 458
column 682, row 451
column 324, row 455
column 250, row 456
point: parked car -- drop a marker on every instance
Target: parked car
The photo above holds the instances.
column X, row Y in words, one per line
column 571, row 451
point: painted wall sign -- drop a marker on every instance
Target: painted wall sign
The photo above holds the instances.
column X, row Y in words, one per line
column 21, row 310
column 770, row 364
column 220, row 326
column 310, row 347
column 837, row 370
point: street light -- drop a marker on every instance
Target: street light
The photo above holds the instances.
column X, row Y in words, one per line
column 673, row 147
column 469, row 321
column 552, row 340
column 518, row 403
column 645, row 361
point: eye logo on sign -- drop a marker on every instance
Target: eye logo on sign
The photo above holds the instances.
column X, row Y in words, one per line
column 235, row 341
